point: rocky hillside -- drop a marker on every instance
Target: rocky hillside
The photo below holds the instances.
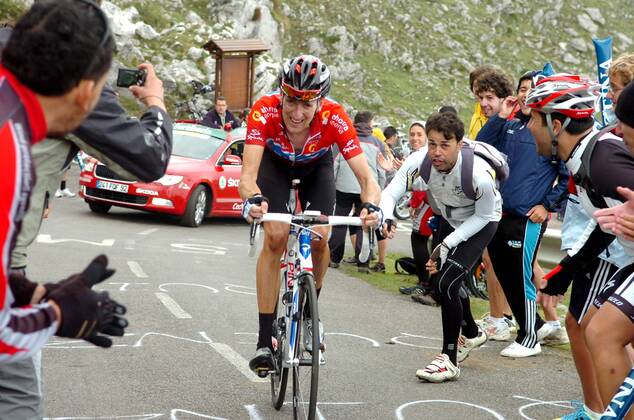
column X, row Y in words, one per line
column 399, row 58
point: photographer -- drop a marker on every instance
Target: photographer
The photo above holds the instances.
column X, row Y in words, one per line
column 134, row 148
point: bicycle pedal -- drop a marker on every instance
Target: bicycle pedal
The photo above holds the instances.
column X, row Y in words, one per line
column 262, row 373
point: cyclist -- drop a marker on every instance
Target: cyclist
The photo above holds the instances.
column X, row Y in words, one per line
column 562, row 124
column 464, row 232
column 289, row 136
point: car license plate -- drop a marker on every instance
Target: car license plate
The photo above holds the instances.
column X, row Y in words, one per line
column 111, row 186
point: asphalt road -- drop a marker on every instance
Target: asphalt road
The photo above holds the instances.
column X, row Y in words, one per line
column 193, row 322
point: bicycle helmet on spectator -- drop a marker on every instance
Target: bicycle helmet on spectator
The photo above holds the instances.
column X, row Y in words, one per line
column 566, row 94
column 305, row 78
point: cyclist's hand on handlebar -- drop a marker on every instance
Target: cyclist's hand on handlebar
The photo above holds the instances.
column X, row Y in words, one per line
column 255, row 207
column 389, row 228
column 371, row 215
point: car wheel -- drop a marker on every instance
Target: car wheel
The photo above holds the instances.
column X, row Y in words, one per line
column 197, row 206
column 100, row 208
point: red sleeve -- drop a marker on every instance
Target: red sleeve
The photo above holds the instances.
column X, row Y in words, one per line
column 264, row 116
column 341, row 130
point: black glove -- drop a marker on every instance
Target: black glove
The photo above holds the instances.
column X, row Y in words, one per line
column 85, row 313
column 559, row 278
column 256, row 200
column 374, row 208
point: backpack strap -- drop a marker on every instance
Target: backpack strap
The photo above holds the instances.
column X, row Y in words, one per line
column 466, row 172
column 582, row 177
column 425, row 169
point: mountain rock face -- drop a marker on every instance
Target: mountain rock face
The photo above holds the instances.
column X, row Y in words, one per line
column 401, row 59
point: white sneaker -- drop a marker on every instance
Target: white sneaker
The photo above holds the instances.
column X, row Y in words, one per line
column 439, row 370
column 497, row 330
column 544, row 331
column 558, row 337
column 516, row 350
column 308, row 335
column 64, row 193
column 465, row 345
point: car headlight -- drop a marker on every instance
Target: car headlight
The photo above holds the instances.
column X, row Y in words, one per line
column 168, row 180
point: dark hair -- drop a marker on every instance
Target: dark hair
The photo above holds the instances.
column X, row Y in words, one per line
column 495, row 81
column 57, row 44
column 446, row 123
column 574, row 127
column 477, row 72
column 389, row 132
column 363, row 117
column 220, row 98
column 526, row 76
column 447, row 108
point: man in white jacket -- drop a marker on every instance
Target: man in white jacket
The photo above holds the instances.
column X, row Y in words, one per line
column 467, row 227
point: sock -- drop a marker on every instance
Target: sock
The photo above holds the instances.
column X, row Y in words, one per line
column 497, row 320
column 593, row 414
column 62, row 185
column 556, row 323
column 266, row 327
column 318, row 292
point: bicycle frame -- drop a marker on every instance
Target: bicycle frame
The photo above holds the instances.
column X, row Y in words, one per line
column 296, row 261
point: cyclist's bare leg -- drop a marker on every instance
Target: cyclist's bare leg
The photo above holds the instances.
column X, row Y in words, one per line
column 609, row 331
column 321, row 255
column 267, row 270
column 583, row 363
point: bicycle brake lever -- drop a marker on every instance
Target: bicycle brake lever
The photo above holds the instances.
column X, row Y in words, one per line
column 252, row 238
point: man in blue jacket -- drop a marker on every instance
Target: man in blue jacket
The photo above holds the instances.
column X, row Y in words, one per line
column 528, row 196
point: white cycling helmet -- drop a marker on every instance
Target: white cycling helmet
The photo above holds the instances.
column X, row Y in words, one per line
column 566, row 94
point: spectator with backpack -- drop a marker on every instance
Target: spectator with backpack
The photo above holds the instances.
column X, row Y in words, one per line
column 457, row 177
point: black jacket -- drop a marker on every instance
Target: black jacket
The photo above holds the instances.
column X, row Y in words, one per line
column 212, row 119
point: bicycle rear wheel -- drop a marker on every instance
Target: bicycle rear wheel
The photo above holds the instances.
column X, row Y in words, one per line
column 306, row 366
column 279, row 377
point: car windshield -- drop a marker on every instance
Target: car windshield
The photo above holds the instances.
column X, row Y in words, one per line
column 195, row 145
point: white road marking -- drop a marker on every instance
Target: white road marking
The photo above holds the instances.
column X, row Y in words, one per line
column 253, row 412
column 173, row 307
column 374, row 342
column 396, row 340
column 174, row 415
column 163, row 288
column 130, row 244
column 136, row 269
column 237, row 361
column 148, row 231
column 235, row 288
column 140, row 417
column 399, row 410
column 199, row 249
column 319, row 415
column 124, row 286
column 562, row 404
column 47, row 239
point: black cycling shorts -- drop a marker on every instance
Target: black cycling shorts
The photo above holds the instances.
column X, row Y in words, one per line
column 616, row 281
column 587, row 286
column 316, row 188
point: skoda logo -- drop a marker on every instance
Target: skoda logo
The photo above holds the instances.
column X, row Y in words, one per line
column 222, row 182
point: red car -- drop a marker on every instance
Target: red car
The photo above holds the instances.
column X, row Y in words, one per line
column 201, row 180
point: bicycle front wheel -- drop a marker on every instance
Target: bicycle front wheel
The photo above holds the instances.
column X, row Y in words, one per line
column 306, row 363
column 279, row 377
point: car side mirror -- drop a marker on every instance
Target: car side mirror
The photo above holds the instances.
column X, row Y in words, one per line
column 232, row 160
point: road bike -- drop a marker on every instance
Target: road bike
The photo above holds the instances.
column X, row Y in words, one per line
column 296, row 304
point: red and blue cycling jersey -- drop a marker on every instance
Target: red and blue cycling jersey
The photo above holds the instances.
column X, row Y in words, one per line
column 331, row 125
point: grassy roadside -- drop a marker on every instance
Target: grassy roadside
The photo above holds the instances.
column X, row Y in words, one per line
column 391, row 281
